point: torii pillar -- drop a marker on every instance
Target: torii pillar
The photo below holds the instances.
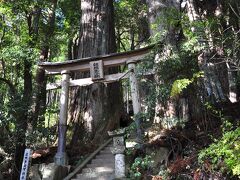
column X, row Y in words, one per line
column 135, row 98
column 61, row 156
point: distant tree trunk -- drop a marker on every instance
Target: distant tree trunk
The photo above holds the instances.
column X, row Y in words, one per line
column 218, row 84
column 70, row 49
column 40, row 99
column 22, row 114
column 143, row 27
column 22, row 118
column 218, row 81
column 96, row 108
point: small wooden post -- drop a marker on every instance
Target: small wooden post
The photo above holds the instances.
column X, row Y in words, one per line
column 61, row 156
column 135, row 97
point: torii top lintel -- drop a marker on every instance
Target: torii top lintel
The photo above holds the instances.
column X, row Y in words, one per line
column 109, row 60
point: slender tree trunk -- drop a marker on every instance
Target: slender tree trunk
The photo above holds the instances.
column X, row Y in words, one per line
column 96, row 108
column 22, row 114
column 22, row 117
column 70, row 49
column 143, row 26
column 40, row 99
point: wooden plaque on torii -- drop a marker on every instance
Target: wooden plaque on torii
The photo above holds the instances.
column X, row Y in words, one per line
column 96, row 70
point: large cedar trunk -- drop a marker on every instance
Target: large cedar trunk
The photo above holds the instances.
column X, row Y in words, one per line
column 218, row 84
column 97, row 108
column 170, row 109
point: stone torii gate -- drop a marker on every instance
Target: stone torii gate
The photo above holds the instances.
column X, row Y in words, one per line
column 96, row 67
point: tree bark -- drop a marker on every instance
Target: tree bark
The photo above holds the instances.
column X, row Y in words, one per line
column 22, row 118
column 22, row 114
column 39, row 103
column 157, row 10
column 97, row 108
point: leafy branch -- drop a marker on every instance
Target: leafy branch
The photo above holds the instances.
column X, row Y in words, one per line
column 10, row 85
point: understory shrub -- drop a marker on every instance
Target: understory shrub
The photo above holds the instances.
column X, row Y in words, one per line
column 224, row 154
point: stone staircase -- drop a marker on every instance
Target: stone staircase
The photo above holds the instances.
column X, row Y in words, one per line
column 100, row 168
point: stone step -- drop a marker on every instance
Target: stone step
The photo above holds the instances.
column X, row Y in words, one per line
column 92, row 176
column 96, row 178
column 101, row 160
column 102, row 164
column 105, row 156
column 101, row 167
column 105, row 151
column 98, row 170
column 108, row 147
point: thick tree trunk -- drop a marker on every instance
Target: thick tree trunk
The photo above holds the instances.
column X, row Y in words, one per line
column 97, row 108
column 216, row 81
column 143, row 26
column 164, row 111
column 217, row 86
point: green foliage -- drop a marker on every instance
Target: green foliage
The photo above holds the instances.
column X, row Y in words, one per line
column 131, row 127
column 194, row 33
column 179, row 68
column 163, row 172
column 140, row 166
column 180, row 84
column 129, row 14
column 224, row 152
column 21, row 45
column 71, row 14
column 168, row 18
